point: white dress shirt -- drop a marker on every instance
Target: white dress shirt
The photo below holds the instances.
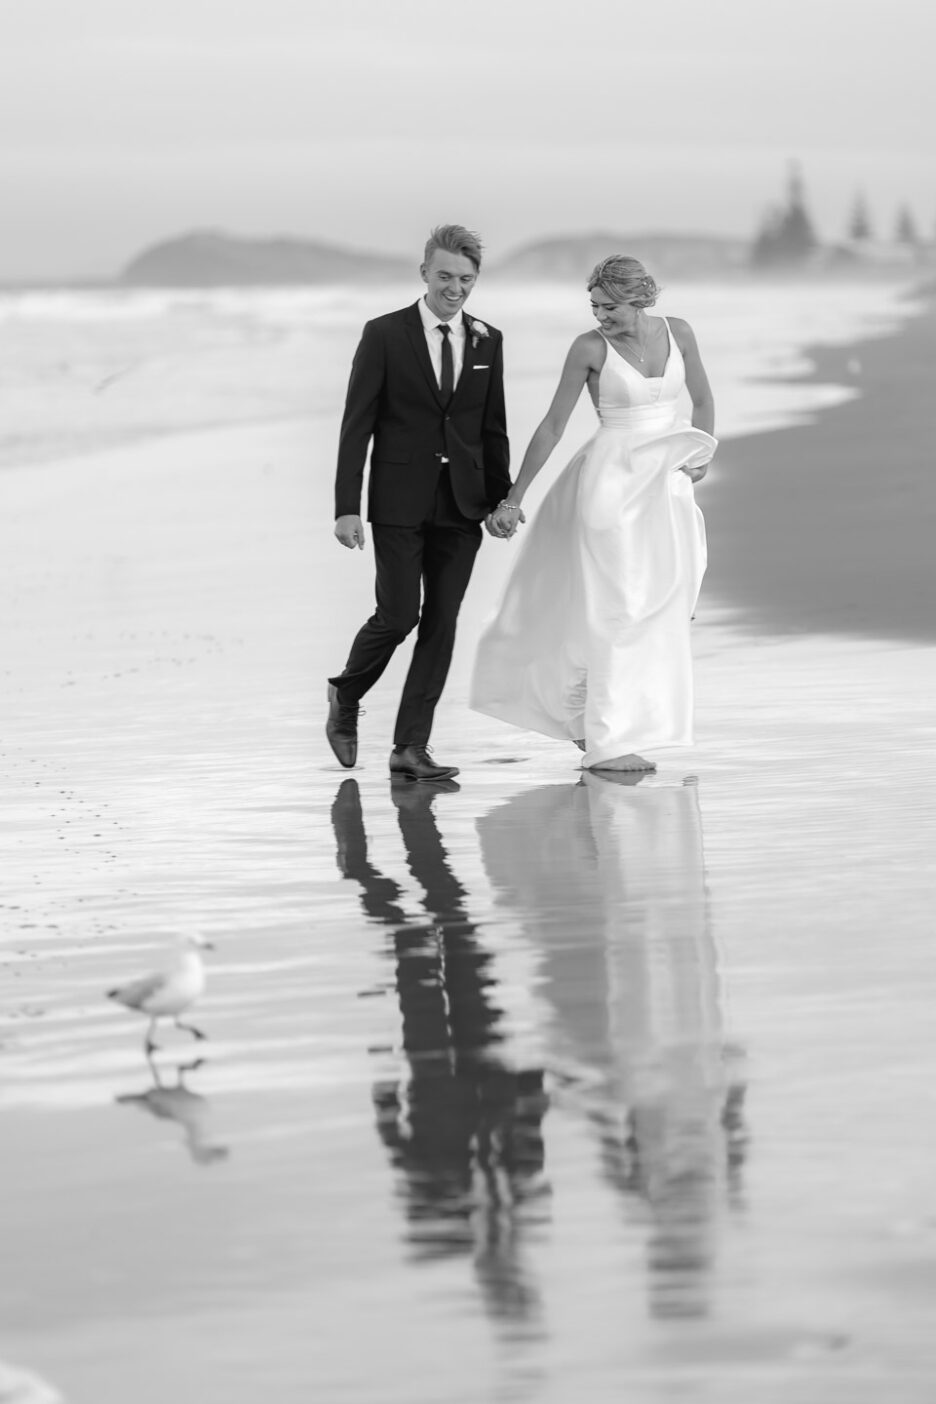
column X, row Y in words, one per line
column 434, row 340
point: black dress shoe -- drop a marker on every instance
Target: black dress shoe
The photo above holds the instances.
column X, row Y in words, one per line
column 341, row 727
column 416, row 762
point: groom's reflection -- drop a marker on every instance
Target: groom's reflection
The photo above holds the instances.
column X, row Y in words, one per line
column 609, row 874
column 463, row 1129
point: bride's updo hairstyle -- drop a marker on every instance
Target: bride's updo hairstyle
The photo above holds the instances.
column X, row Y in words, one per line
column 624, row 279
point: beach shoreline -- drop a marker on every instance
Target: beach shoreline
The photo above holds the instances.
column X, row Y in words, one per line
column 828, row 527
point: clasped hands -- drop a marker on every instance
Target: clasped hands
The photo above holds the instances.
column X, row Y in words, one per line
column 503, row 521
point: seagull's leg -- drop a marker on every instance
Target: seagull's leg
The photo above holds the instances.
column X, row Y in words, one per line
column 184, row 1068
column 189, row 1028
column 149, row 1043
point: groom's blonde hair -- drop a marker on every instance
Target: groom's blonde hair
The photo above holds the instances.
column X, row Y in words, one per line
column 456, row 239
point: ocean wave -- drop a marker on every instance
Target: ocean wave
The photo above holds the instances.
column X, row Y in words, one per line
column 85, row 370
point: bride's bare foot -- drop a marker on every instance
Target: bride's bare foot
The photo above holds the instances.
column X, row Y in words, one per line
column 631, row 762
column 581, row 744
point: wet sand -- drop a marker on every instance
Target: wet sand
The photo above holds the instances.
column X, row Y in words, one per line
column 539, row 1088
column 829, row 526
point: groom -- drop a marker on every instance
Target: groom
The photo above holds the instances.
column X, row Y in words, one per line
column 427, row 387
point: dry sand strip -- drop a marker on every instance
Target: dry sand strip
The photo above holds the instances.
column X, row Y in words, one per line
column 830, row 527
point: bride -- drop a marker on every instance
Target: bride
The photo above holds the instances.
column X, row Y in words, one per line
column 591, row 641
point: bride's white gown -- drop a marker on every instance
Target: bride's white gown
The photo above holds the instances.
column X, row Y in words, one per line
column 591, row 639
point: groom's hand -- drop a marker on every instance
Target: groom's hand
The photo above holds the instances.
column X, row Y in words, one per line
column 350, row 531
column 503, row 522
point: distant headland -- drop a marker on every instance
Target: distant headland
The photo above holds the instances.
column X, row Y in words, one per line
column 211, row 258
column 786, row 240
column 217, row 259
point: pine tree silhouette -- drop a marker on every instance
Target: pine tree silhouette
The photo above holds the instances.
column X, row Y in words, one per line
column 786, row 235
column 859, row 226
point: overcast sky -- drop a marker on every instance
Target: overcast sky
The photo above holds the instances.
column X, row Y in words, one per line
column 366, row 121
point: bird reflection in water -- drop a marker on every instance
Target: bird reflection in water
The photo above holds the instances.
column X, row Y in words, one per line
column 175, row 1102
column 608, row 875
column 463, row 1128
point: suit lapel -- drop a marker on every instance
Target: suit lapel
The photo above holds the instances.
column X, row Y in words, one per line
column 417, row 336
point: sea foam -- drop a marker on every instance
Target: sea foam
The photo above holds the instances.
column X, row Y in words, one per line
column 88, row 370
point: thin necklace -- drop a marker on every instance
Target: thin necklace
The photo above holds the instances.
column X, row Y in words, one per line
column 637, row 354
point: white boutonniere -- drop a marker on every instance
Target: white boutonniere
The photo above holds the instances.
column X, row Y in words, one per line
column 478, row 332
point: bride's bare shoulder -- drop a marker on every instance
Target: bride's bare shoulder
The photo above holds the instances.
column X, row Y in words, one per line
column 589, row 349
column 682, row 331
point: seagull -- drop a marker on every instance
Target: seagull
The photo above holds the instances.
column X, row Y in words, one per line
column 170, row 991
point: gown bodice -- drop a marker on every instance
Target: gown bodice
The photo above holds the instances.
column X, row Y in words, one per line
column 625, row 396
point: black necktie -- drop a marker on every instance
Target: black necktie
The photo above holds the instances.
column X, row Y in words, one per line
column 447, row 383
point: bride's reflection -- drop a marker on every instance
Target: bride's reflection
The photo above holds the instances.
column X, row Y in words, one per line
column 609, row 876
column 463, row 1128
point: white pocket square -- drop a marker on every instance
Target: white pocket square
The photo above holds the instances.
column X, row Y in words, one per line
column 480, row 367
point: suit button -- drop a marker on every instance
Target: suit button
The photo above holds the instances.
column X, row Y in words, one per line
column 447, row 418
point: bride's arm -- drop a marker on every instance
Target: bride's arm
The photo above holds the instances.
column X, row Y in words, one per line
column 584, row 356
column 700, row 392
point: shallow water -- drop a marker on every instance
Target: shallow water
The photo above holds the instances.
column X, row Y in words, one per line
column 88, row 370
column 545, row 1087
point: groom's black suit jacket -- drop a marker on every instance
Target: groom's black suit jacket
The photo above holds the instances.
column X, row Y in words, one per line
column 394, row 399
